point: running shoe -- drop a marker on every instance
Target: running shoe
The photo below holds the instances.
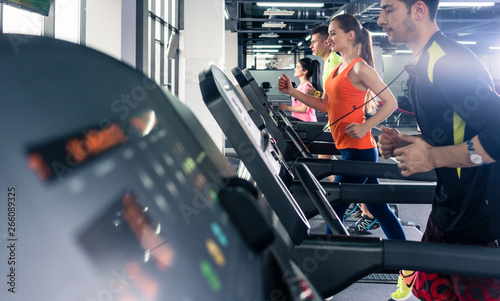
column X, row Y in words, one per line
column 364, row 224
column 405, row 283
column 353, row 213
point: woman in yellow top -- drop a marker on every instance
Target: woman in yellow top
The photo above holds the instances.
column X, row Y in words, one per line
column 347, row 87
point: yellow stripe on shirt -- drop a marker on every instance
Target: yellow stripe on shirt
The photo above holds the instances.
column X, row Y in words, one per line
column 435, row 53
column 458, row 132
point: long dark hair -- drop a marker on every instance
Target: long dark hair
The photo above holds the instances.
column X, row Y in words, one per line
column 313, row 72
column 363, row 38
column 363, row 41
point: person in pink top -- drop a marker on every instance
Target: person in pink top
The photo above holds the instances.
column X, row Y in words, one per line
column 308, row 71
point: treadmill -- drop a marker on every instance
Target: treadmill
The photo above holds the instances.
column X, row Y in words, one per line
column 319, row 167
column 322, row 168
column 309, row 132
column 332, row 262
column 277, row 122
column 114, row 191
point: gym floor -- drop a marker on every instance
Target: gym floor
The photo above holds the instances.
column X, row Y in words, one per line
column 362, row 291
column 359, row 291
column 409, row 215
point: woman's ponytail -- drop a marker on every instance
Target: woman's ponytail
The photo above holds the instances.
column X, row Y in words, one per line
column 363, row 43
column 363, row 38
column 365, row 49
column 313, row 75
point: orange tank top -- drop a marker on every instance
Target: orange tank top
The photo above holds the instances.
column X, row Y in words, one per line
column 342, row 96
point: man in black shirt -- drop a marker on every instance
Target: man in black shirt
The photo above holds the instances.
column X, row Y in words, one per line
column 458, row 113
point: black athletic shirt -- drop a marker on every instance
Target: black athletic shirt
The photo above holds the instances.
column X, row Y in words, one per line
column 454, row 100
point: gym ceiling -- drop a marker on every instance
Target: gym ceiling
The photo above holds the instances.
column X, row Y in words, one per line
column 474, row 24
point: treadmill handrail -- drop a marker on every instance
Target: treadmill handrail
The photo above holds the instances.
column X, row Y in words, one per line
column 333, row 262
column 442, row 258
column 365, row 169
column 317, row 195
column 301, row 147
column 369, row 193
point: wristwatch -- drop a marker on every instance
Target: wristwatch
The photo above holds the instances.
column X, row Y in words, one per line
column 318, row 94
column 474, row 157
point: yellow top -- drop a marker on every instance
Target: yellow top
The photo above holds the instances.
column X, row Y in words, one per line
column 330, row 64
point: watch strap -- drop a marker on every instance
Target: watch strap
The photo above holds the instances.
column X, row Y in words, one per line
column 472, row 152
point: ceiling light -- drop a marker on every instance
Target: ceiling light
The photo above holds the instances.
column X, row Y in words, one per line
column 299, row 44
column 269, row 35
column 386, row 55
column 495, row 47
column 264, row 55
column 467, row 42
column 308, row 37
column 403, row 51
column 338, row 13
column 226, row 14
column 267, row 46
column 285, row 4
column 289, row 51
column 278, row 12
column 271, row 24
column 378, row 34
column 265, row 50
column 466, row 4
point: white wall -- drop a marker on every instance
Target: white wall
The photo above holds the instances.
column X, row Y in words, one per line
column 67, row 20
column 201, row 44
column 230, row 54
column 494, row 66
column 492, row 62
column 128, row 32
column 378, row 60
column 286, row 62
column 392, row 67
column 103, row 18
column 272, row 76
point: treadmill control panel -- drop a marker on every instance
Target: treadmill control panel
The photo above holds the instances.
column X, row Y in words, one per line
column 117, row 186
column 263, row 161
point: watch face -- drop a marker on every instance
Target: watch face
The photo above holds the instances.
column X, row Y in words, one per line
column 476, row 159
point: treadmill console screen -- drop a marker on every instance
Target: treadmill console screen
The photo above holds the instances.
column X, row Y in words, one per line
column 117, row 186
column 261, row 159
column 49, row 159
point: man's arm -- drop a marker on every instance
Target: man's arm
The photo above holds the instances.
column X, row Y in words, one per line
column 388, row 141
column 467, row 89
column 419, row 156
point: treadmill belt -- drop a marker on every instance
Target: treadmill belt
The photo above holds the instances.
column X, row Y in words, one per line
column 380, row 278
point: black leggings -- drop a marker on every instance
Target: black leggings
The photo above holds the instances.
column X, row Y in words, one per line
column 388, row 221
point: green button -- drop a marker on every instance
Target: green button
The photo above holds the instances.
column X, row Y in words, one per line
column 211, row 276
column 213, row 195
column 188, row 166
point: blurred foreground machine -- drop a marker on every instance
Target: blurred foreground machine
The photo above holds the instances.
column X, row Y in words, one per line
column 112, row 190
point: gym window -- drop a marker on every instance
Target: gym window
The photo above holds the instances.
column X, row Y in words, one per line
column 162, row 24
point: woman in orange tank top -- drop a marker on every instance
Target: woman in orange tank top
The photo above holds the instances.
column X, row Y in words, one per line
column 347, row 87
